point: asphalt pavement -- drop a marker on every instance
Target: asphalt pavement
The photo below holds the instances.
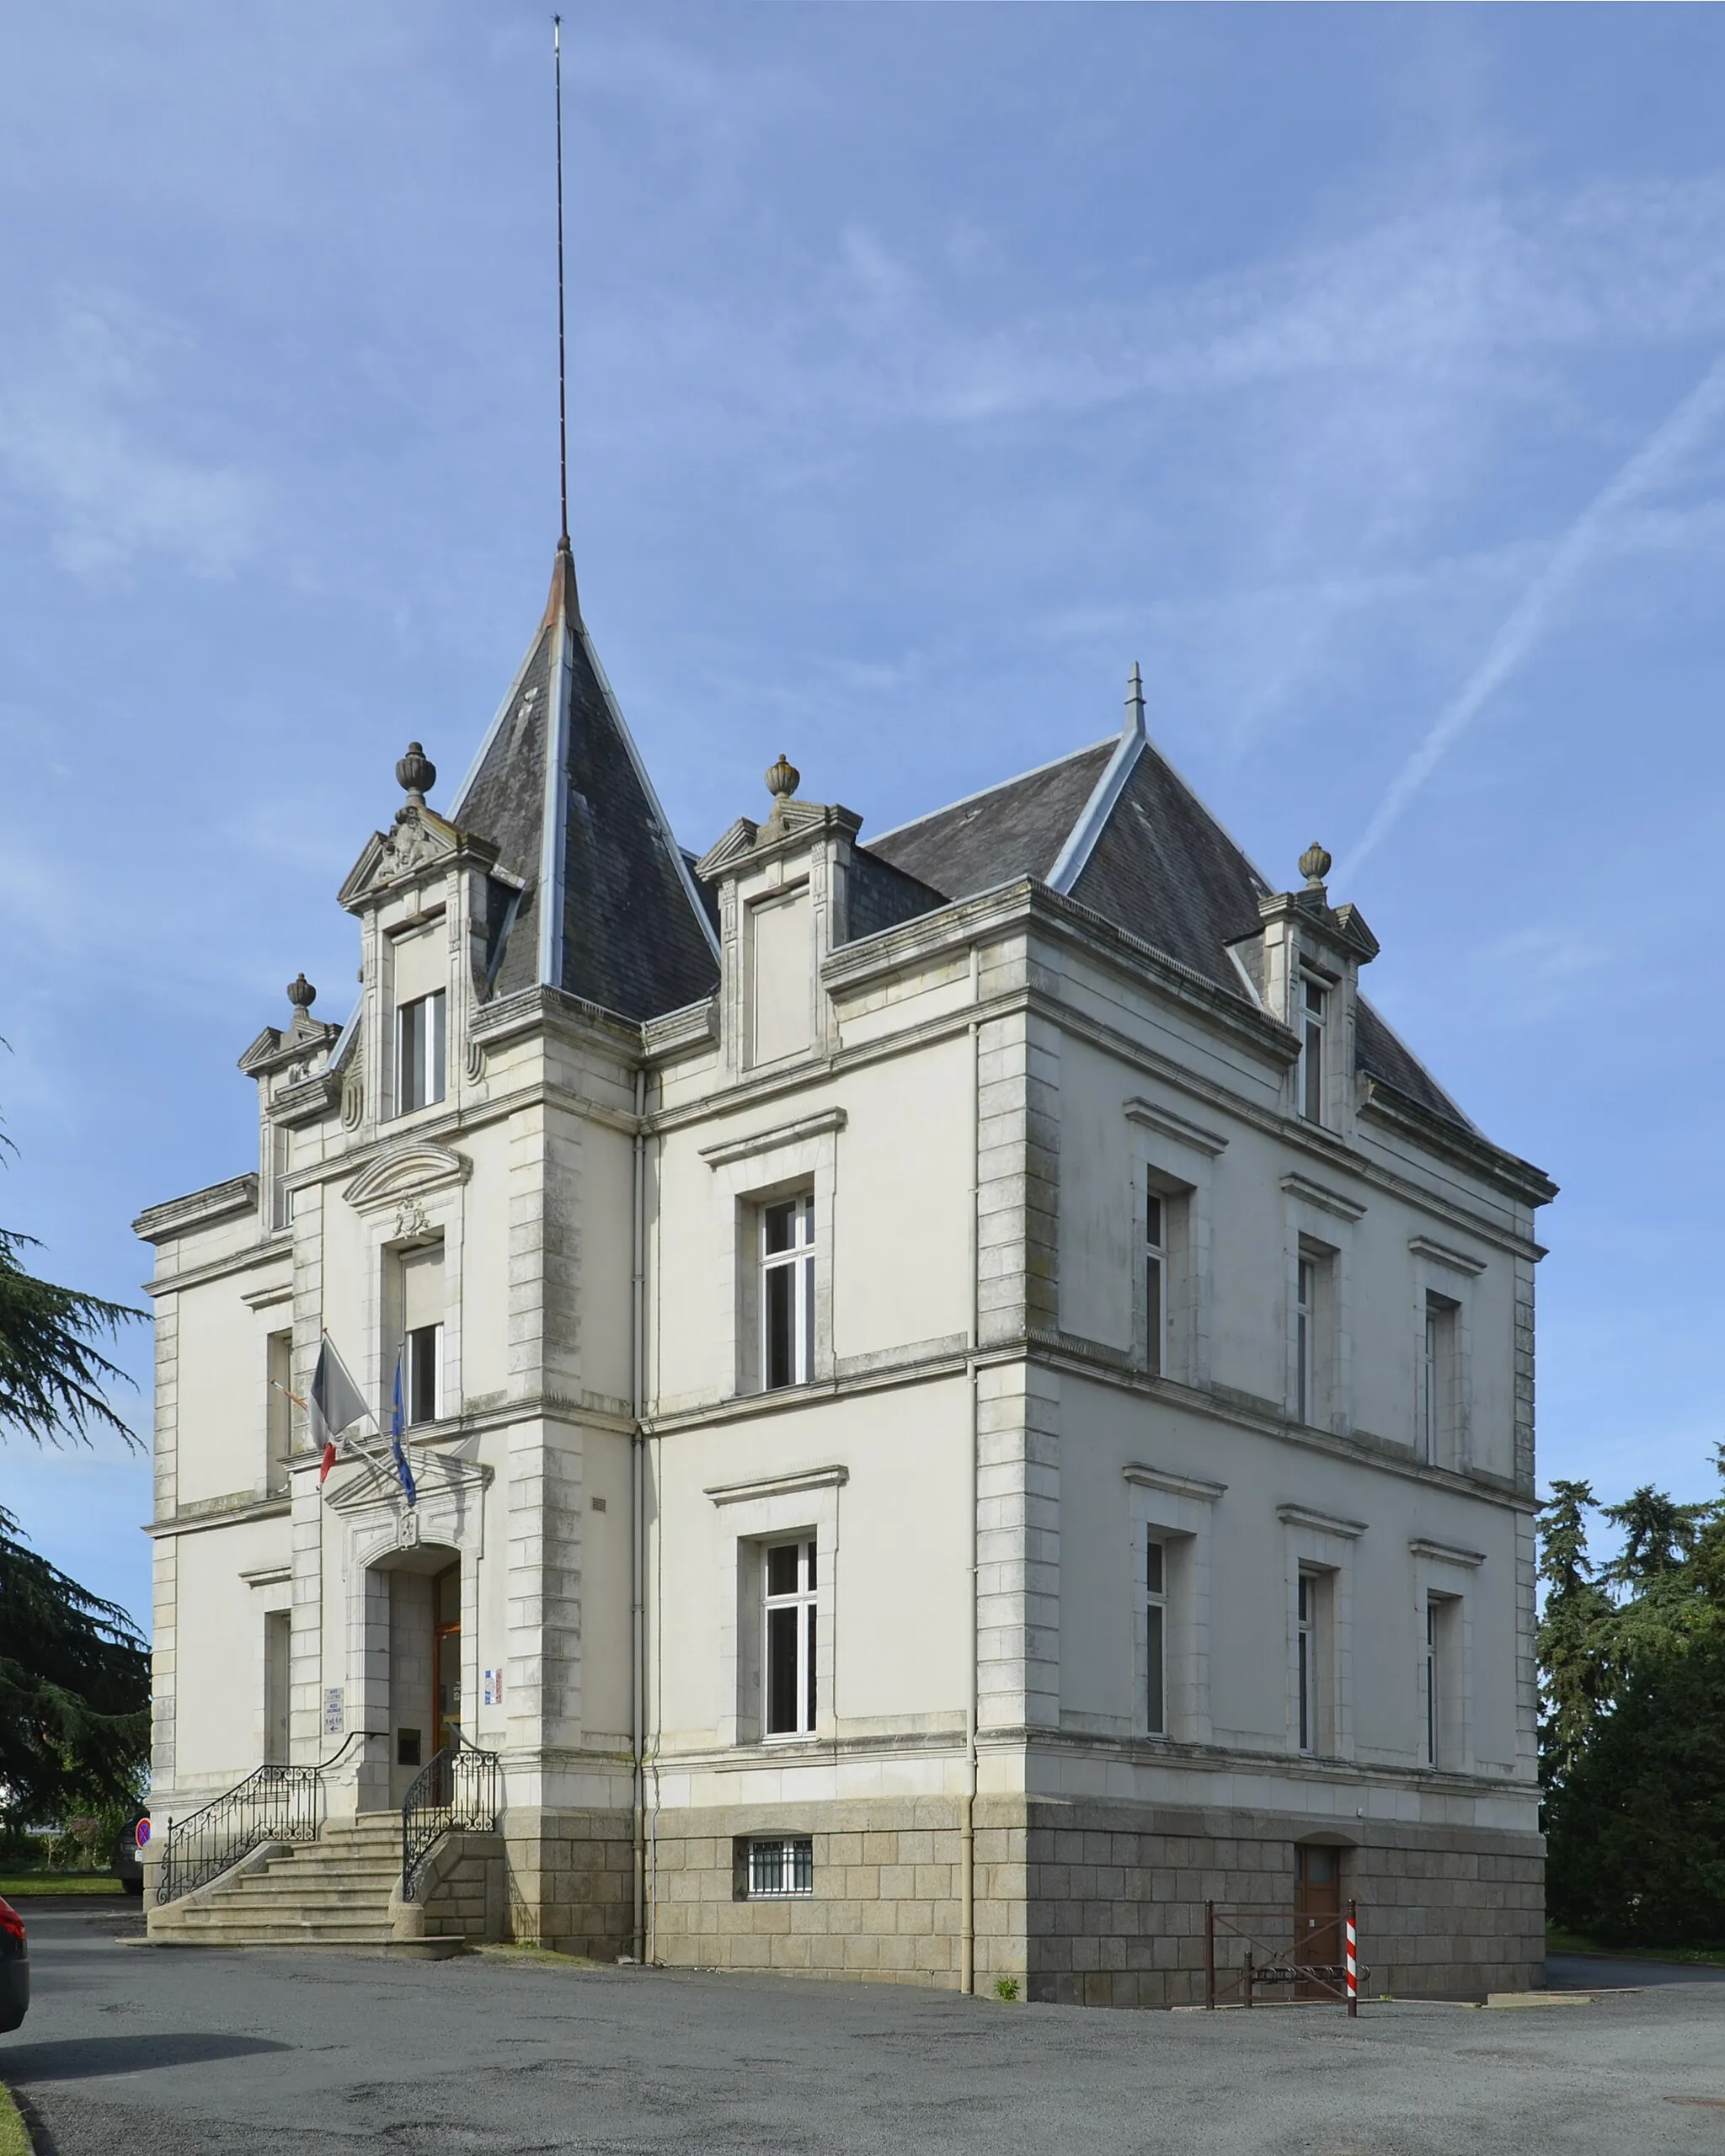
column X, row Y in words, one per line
column 134, row 2051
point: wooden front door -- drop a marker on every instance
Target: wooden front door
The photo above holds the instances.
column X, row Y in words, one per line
column 1317, row 1912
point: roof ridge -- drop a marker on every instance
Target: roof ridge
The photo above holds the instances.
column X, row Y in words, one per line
column 1093, row 818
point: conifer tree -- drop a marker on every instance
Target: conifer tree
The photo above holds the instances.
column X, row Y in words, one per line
column 74, row 1669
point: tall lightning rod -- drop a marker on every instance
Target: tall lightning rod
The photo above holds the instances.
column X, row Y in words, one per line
column 562, row 424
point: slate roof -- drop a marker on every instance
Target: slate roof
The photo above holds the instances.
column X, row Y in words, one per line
column 1161, row 867
column 1015, row 829
column 560, row 789
column 610, row 912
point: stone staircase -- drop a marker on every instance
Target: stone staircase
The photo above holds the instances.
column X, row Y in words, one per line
column 334, row 1892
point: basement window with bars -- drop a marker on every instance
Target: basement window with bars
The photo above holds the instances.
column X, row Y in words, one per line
column 778, row 1867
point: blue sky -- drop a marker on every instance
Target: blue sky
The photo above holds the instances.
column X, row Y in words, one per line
column 1358, row 371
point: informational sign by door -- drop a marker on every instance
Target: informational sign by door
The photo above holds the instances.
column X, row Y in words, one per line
column 494, row 1687
column 333, row 1711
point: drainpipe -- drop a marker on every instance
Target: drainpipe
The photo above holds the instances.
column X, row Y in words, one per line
column 967, row 1816
column 637, row 1519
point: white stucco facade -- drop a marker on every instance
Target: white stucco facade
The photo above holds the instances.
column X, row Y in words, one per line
column 1010, row 1398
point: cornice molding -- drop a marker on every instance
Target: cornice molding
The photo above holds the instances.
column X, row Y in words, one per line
column 175, row 1216
column 1519, row 1178
column 1445, row 1553
column 779, row 1485
column 1171, row 1484
column 1458, row 1261
column 827, row 1123
column 1319, row 1194
column 1323, row 1522
column 1154, row 1117
column 223, row 1513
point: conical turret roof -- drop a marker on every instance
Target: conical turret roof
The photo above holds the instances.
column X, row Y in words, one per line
column 610, row 911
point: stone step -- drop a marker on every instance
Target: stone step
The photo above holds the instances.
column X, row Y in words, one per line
column 313, row 1898
column 288, row 1935
column 291, row 1881
column 348, row 1867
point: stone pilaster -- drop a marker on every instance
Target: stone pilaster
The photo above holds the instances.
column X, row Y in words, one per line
column 165, row 1568
column 1018, row 1548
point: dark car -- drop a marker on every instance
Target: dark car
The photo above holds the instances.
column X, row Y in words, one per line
column 127, row 1862
column 14, row 1968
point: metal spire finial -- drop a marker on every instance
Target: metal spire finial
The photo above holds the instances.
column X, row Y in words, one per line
column 563, row 428
column 1134, row 702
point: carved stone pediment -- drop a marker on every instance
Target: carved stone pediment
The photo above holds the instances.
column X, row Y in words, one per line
column 791, row 823
column 417, row 842
column 403, row 1175
column 297, row 1051
column 366, row 1484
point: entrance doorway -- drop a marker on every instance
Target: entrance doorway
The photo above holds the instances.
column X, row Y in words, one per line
column 423, row 1591
column 1317, row 1912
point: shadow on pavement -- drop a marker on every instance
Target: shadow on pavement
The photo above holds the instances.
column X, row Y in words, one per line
column 84, row 2058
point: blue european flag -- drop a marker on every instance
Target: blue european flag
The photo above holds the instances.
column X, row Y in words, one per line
column 396, row 1422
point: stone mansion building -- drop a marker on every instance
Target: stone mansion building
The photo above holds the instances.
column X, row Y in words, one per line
column 966, row 1396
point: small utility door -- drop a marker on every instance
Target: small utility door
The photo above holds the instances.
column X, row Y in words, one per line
column 1317, row 1912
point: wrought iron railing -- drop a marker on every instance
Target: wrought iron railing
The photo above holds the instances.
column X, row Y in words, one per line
column 272, row 1804
column 459, row 1789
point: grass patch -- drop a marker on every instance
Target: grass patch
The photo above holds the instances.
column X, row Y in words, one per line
column 26, row 1883
column 15, row 2134
column 539, row 1957
column 1571, row 1942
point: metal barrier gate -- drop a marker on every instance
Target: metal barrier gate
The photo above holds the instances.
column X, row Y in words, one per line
column 1266, row 1963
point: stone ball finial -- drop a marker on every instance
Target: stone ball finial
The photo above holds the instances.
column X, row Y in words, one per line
column 783, row 779
column 416, row 774
column 301, row 993
column 1314, row 866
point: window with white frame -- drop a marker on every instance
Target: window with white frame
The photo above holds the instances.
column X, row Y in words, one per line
column 422, row 1335
column 278, row 1413
column 1306, row 1285
column 420, row 1053
column 1156, row 1282
column 788, row 1646
column 779, row 1865
column 1314, row 1019
column 1314, row 1344
column 1310, row 1704
column 1437, row 1382
column 280, row 1166
column 1445, row 1714
column 788, row 1292
column 1156, row 1635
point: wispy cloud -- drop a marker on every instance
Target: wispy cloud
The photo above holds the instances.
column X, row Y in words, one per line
column 1660, row 458
column 84, row 439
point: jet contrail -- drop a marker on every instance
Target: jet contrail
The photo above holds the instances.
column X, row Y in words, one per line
column 1663, row 450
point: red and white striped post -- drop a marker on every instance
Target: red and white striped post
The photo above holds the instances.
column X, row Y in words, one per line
column 1353, row 1965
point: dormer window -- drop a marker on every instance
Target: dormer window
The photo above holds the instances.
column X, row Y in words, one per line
column 419, row 1052
column 1314, row 1018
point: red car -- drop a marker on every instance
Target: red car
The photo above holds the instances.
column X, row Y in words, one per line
column 14, row 1968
